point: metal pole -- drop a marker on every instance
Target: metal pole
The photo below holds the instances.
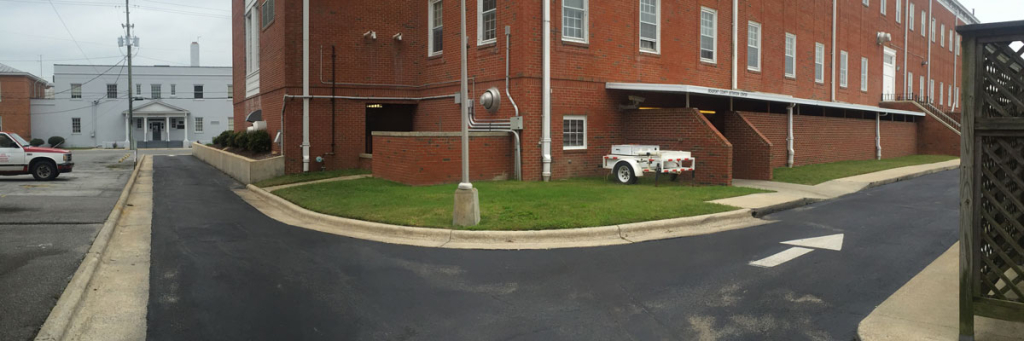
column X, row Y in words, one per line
column 131, row 100
column 465, row 184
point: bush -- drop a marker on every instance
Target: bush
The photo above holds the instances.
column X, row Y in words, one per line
column 222, row 139
column 242, row 140
column 55, row 141
column 36, row 142
column 259, row 141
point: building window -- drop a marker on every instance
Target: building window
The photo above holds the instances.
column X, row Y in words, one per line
column 76, row 90
column 940, row 93
column 920, row 87
column 650, row 16
column 574, row 20
column 574, row 132
column 753, row 46
column 174, row 91
column 790, row 55
column 866, row 2
column 958, row 44
column 268, row 12
column 910, row 16
column 138, row 89
column 252, row 42
column 138, row 123
column 199, row 125
column 931, row 91
column 950, row 40
column 899, row 12
column 924, row 20
column 881, row 4
column 155, row 89
column 843, row 68
column 76, row 125
column 231, row 123
column 863, row 74
column 487, row 21
column 436, row 38
column 198, row 92
column 708, row 34
column 910, row 84
column 933, row 30
column 942, row 35
column 819, row 62
column 231, row 91
column 111, row 90
column 949, row 99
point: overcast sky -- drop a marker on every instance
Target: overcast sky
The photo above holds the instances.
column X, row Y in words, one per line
column 30, row 28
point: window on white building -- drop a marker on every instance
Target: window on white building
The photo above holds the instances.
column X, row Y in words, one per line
column 199, row 125
column 487, row 21
column 863, row 74
column 138, row 89
column 155, row 89
column 819, row 62
column 231, row 91
column 111, row 90
column 574, row 132
column 650, row 17
column 574, row 20
column 434, row 17
column 76, row 125
column 231, row 123
column 843, row 68
column 790, row 55
column 138, row 123
column 198, row 93
column 76, row 90
column 708, row 35
column 753, row 46
column 174, row 92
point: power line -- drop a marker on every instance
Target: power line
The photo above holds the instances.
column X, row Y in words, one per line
column 94, row 78
column 69, row 33
column 190, row 6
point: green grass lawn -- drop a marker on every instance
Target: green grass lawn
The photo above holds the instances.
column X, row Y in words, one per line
column 816, row 174
column 311, row 176
column 513, row 205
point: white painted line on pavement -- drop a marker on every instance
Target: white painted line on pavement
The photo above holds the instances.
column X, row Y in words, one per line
column 781, row 257
column 833, row 242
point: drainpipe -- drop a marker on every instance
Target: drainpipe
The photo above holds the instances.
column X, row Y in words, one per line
column 833, row 65
column 545, row 89
column 956, row 21
column 305, row 86
column 906, row 47
column 878, row 135
column 790, row 152
column 929, row 42
column 735, row 43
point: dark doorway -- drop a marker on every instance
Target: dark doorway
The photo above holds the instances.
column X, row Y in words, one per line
column 387, row 117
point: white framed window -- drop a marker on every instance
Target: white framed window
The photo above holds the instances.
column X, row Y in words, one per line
column 910, row 84
column 708, row 35
column 899, row 12
column 790, row 62
column 958, row 44
column 231, row 123
column 155, row 90
column 753, row 46
column 933, row 30
column 76, row 90
column 111, row 90
column 174, row 91
column 138, row 123
column 138, row 89
column 881, row 4
column 199, row 125
column 844, row 59
column 866, row 2
column 252, row 41
column 910, row 16
column 76, row 125
column 487, row 21
column 924, row 21
column 819, row 62
column 268, row 12
column 949, row 99
column 931, row 91
column 863, row 74
column 231, row 91
column 435, row 41
column 574, row 132
column 650, row 32
column 950, row 40
column 920, row 87
column 574, row 20
column 198, row 91
column 940, row 93
column 942, row 35
column 956, row 102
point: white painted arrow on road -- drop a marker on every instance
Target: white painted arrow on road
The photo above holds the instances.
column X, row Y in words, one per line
column 801, row 247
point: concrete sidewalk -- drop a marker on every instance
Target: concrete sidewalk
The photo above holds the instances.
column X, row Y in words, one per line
column 789, row 195
column 926, row 308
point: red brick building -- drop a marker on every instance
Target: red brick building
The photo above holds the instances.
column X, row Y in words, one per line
column 717, row 77
column 17, row 89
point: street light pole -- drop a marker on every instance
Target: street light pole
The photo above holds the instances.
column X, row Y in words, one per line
column 467, row 200
column 131, row 96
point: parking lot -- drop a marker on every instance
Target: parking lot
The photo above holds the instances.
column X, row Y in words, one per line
column 45, row 229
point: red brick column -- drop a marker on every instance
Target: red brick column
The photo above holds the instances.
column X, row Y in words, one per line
column 687, row 130
column 752, row 152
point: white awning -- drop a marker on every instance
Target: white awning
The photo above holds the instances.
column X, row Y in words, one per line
column 761, row 96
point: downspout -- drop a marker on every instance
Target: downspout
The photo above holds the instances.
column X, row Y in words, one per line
column 735, row 43
column 305, row 86
column 284, row 103
column 906, row 47
column 928, row 41
column 878, row 135
column 833, row 65
column 517, row 172
column 956, row 21
column 790, row 152
column 545, row 89
column 333, row 110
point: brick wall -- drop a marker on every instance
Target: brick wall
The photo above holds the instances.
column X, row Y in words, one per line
column 436, row 158
column 687, row 130
column 15, row 104
column 752, row 151
column 933, row 137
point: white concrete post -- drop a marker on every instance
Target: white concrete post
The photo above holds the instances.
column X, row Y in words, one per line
column 167, row 129
column 186, row 130
column 127, row 132
column 145, row 129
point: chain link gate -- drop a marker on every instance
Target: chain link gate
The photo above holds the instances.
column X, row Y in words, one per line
column 992, row 175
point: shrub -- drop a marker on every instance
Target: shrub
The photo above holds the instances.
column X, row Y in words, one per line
column 222, row 139
column 242, row 140
column 259, row 141
column 36, row 142
column 55, row 141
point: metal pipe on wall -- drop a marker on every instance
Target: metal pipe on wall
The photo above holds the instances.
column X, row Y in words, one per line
column 545, row 89
column 928, row 41
column 334, row 112
column 790, row 151
column 906, row 48
column 508, row 49
column 832, row 66
column 735, row 44
column 305, row 86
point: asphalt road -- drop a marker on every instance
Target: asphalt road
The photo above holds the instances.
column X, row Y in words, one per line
column 45, row 230
column 225, row 271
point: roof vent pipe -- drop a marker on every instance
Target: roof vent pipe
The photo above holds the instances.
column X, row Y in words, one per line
column 195, row 54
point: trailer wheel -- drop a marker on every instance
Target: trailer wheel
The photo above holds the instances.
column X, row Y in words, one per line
column 624, row 174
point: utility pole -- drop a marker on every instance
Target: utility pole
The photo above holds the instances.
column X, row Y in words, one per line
column 467, row 200
column 131, row 96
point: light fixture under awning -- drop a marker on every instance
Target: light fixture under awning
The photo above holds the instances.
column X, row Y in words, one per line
column 700, row 90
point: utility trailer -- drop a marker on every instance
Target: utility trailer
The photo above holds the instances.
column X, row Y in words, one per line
column 628, row 162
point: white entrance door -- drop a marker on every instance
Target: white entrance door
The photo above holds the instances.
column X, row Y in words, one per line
column 12, row 157
column 889, row 72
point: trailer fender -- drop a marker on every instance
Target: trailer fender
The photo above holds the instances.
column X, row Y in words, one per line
column 632, row 163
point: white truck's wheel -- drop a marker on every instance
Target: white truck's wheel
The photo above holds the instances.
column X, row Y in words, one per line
column 624, row 174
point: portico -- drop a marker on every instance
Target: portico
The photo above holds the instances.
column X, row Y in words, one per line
column 158, row 125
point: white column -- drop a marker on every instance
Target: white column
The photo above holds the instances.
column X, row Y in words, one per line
column 186, row 130
column 145, row 129
column 167, row 129
column 127, row 132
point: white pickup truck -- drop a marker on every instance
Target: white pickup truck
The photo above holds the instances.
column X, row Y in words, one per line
column 17, row 157
column 628, row 162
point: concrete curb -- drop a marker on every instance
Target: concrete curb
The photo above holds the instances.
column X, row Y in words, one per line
column 337, row 178
column 513, row 240
column 911, row 176
column 57, row 322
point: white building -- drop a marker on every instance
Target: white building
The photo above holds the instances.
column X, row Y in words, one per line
column 174, row 106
